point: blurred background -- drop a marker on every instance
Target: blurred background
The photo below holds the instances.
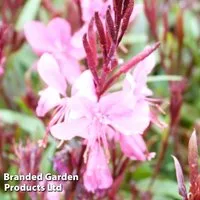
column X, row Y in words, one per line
column 175, row 80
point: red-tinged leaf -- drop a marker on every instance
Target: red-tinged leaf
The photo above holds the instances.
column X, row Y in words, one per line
column 92, row 40
column 117, row 4
column 180, row 179
column 138, row 58
column 102, row 36
column 125, row 6
column 110, row 25
column 193, row 158
column 88, row 51
column 126, row 18
column 90, row 58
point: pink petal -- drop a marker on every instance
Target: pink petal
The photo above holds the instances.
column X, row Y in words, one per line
column 81, row 107
column 129, row 83
column 69, row 66
column 60, row 32
column 37, row 36
column 77, row 51
column 136, row 86
column 84, row 86
column 71, row 128
column 117, row 103
column 49, row 98
column 97, row 174
column 143, row 69
column 133, row 147
column 90, row 7
column 132, row 123
column 50, row 73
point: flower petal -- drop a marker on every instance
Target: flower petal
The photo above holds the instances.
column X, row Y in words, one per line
column 69, row 66
column 117, row 103
column 134, row 147
column 37, row 36
column 71, row 128
column 49, row 98
column 60, row 31
column 84, row 86
column 132, row 123
column 144, row 67
column 77, row 50
column 50, row 73
column 97, row 174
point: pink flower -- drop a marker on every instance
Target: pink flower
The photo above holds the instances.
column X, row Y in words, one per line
column 135, row 85
column 137, row 81
column 50, row 72
column 96, row 117
column 97, row 174
column 56, row 38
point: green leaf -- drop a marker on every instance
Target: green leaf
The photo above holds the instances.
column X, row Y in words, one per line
column 28, row 13
column 30, row 124
column 16, row 67
column 143, row 171
column 191, row 25
column 6, row 195
column 162, row 188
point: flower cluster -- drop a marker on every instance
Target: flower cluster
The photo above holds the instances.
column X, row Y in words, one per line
column 81, row 96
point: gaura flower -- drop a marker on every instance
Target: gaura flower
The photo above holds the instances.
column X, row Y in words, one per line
column 96, row 117
column 56, row 39
column 136, row 82
column 135, row 85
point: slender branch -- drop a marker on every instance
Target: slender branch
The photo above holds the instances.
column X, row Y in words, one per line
column 129, row 65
